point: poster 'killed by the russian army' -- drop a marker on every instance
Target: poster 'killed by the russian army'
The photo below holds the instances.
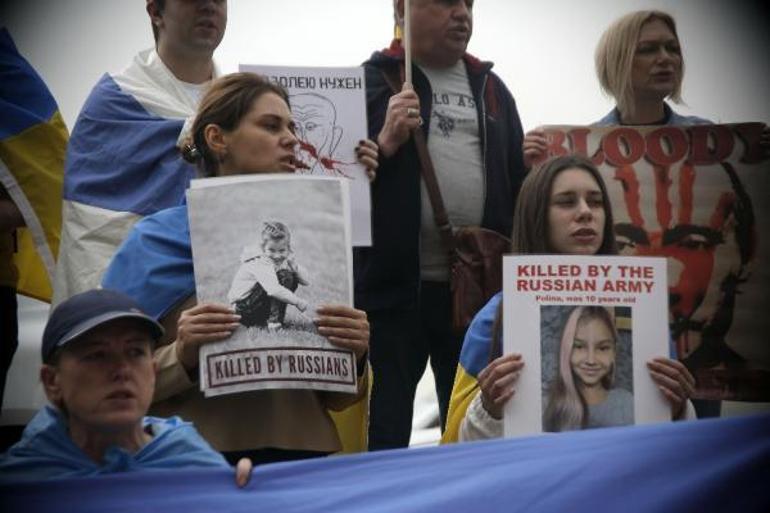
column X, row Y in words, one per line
column 585, row 326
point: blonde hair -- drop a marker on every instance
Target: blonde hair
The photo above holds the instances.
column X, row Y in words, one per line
column 615, row 56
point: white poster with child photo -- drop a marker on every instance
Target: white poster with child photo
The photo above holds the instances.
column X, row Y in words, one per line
column 586, row 326
column 273, row 248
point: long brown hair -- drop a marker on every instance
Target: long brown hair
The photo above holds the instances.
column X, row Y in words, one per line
column 227, row 101
column 531, row 233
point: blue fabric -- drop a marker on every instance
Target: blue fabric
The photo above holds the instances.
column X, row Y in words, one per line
column 154, row 265
column 123, row 158
column 709, row 465
column 671, row 118
column 46, row 451
column 24, row 98
column 475, row 353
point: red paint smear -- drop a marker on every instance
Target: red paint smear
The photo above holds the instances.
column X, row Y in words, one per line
column 697, row 268
column 627, row 177
column 662, row 202
column 697, row 263
column 686, row 184
column 326, row 162
column 725, row 205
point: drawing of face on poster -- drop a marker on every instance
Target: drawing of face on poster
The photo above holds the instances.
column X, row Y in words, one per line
column 702, row 220
column 315, row 117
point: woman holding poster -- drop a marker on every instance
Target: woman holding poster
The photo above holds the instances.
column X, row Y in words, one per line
column 243, row 126
column 639, row 63
column 563, row 208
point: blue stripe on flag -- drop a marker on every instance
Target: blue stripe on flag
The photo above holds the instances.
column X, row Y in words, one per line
column 154, row 264
column 123, row 158
column 476, row 346
column 24, row 98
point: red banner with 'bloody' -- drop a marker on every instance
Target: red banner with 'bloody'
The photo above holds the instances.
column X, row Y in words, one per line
column 697, row 195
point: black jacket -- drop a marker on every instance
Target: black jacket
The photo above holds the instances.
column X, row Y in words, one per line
column 387, row 275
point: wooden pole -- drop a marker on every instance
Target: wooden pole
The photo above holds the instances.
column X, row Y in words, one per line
column 408, row 43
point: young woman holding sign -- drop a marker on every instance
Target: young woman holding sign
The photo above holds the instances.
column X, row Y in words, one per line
column 563, row 208
column 243, row 126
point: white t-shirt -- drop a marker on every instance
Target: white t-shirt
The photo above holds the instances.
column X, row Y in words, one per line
column 194, row 91
column 455, row 148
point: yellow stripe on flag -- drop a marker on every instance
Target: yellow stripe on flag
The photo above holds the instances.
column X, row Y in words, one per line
column 35, row 160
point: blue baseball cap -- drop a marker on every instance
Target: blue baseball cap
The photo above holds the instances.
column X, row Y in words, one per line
column 84, row 312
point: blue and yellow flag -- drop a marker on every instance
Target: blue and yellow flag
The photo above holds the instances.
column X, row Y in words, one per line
column 123, row 163
column 33, row 142
column 473, row 358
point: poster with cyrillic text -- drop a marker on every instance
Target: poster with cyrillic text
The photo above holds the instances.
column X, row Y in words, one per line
column 329, row 110
column 273, row 248
column 585, row 327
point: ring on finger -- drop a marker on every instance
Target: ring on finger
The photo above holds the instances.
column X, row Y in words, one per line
column 411, row 112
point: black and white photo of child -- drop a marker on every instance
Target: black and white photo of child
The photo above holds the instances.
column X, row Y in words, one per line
column 267, row 280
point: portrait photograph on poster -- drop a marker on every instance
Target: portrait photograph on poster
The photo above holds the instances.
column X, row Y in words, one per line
column 585, row 326
column 586, row 359
column 328, row 106
column 274, row 249
column 696, row 195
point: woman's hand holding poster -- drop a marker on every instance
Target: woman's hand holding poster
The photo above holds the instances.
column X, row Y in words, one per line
column 273, row 248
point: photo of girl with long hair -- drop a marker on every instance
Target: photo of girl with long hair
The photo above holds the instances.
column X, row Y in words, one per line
column 583, row 358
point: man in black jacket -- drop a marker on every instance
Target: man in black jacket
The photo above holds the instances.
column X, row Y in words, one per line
column 474, row 138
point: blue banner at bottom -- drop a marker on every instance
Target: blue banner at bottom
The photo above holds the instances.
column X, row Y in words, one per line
column 708, row 465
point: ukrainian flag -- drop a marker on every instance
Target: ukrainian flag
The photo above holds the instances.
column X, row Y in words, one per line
column 473, row 358
column 33, row 142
